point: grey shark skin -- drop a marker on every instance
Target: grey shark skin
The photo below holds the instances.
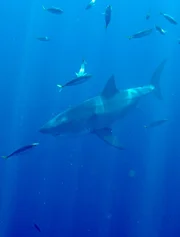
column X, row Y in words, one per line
column 96, row 115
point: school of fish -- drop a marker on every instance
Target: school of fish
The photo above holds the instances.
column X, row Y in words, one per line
column 82, row 76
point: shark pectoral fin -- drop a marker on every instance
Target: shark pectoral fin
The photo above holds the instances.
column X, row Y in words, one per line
column 106, row 135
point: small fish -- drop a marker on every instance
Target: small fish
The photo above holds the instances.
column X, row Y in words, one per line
column 90, row 4
column 81, row 77
column 37, row 227
column 160, row 30
column 20, row 150
column 141, row 34
column 43, row 38
column 169, row 18
column 53, row 10
column 148, row 15
column 76, row 81
column 107, row 14
column 156, row 123
column 82, row 69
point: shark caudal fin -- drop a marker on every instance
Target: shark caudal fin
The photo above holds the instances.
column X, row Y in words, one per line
column 156, row 79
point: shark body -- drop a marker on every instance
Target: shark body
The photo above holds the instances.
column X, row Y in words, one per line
column 96, row 115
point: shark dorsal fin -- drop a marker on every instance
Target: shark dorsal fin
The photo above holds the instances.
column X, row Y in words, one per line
column 110, row 88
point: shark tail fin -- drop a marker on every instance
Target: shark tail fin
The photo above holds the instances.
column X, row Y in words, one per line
column 156, row 79
column 43, row 7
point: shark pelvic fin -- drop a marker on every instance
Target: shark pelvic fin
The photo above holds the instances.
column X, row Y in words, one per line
column 106, row 135
column 156, row 79
column 110, row 88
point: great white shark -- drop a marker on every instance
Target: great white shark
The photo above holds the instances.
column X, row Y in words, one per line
column 96, row 115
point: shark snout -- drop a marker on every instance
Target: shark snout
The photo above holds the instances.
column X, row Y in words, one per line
column 44, row 129
column 48, row 128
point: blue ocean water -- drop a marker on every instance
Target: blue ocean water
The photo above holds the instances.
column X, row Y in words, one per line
column 81, row 186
